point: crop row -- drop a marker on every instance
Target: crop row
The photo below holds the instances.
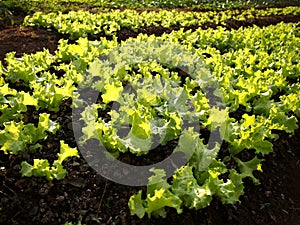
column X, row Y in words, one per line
column 67, row 5
column 82, row 23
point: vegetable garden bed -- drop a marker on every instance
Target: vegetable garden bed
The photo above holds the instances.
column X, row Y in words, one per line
column 263, row 119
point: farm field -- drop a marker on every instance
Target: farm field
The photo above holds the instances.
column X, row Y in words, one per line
column 149, row 112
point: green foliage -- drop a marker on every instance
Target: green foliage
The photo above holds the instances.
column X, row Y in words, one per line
column 252, row 66
column 185, row 189
column 83, row 23
column 247, row 168
column 67, row 5
column 16, row 137
column 42, row 168
column 158, row 197
column 70, row 223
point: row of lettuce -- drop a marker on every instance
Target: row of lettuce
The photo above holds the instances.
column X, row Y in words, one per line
column 252, row 68
column 83, row 23
column 67, row 5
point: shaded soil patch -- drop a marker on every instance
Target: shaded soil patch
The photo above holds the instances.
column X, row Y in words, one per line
column 27, row 40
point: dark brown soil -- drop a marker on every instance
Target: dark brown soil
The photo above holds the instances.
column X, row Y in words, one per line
column 85, row 195
column 26, row 40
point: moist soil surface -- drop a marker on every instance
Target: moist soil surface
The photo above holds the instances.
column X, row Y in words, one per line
column 85, row 195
